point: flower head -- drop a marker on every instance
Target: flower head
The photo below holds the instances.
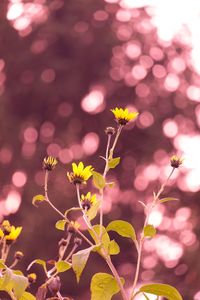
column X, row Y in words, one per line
column 79, row 174
column 176, row 161
column 88, row 200
column 49, row 163
column 5, row 227
column 13, row 235
column 110, row 130
column 123, row 116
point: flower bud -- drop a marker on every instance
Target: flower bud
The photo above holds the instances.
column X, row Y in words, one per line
column 18, row 255
column 77, row 241
column 70, row 229
column 110, row 130
column 176, row 161
column 62, row 242
column 32, row 277
column 49, row 163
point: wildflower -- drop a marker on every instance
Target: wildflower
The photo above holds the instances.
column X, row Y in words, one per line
column 13, row 235
column 123, row 116
column 49, row 163
column 80, row 173
column 110, row 130
column 176, row 161
column 88, row 200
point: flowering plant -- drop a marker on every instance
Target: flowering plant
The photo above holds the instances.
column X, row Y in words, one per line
column 103, row 285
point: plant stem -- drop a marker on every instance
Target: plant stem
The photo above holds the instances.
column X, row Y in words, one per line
column 109, row 155
column 116, row 275
column 139, row 250
column 71, row 253
column 60, row 213
column 83, row 211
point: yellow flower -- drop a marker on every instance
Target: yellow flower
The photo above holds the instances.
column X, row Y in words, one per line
column 32, row 277
column 123, row 116
column 88, row 200
column 80, row 173
column 176, row 161
column 14, row 233
column 49, row 163
column 1, row 234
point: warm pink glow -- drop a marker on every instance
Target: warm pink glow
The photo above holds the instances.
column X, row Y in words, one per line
column 14, row 11
column 90, row 143
column 142, row 90
column 48, row 75
column 94, row 102
column 139, row 72
column 19, row 178
column 151, row 172
column 133, row 49
column 197, row 296
column 77, row 151
column 156, row 217
column 170, row 128
column 65, row 109
column 12, row 202
column 159, row 71
column 47, row 131
column 193, row 92
column 53, row 149
column 30, row 135
column 5, row 155
column 28, row 149
column 156, row 53
column 65, row 155
column 171, row 82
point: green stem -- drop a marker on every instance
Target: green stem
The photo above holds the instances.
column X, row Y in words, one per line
column 116, row 275
column 60, row 213
column 154, row 202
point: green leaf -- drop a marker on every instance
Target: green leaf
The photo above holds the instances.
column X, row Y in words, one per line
column 92, row 212
column 113, row 248
column 113, row 162
column 39, row 262
column 105, row 239
column 15, row 283
column 37, row 199
column 79, row 261
column 62, row 266
column 2, row 265
column 60, row 225
column 163, row 290
column 123, row 228
column 103, row 286
column 163, row 200
column 98, row 180
column 149, row 231
column 27, row 296
column 19, row 283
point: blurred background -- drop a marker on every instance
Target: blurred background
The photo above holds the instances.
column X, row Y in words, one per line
column 63, row 66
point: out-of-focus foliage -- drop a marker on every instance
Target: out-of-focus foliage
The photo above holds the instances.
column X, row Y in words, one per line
column 63, row 65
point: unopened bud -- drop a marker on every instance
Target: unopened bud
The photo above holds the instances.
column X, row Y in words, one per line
column 32, row 277
column 110, row 130
column 70, row 229
column 77, row 241
column 62, row 242
column 54, row 285
column 18, row 255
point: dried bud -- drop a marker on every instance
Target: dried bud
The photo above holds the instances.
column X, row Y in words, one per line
column 32, row 277
column 49, row 163
column 62, row 242
column 18, row 255
column 54, row 285
column 6, row 227
column 110, row 130
column 176, row 161
column 86, row 204
column 77, row 241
